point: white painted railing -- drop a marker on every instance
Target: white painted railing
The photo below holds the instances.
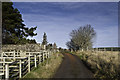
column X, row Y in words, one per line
column 17, row 64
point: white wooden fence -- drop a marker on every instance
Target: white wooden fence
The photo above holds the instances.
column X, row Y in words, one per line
column 17, row 64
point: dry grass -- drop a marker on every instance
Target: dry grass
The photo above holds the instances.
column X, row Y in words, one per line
column 46, row 69
column 104, row 64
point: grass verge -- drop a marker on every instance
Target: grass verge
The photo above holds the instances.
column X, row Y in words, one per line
column 47, row 68
column 104, row 64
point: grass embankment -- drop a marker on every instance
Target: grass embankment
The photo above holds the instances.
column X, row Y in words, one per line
column 104, row 64
column 47, row 68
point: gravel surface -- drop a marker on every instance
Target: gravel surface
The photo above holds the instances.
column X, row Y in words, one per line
column 72, row 67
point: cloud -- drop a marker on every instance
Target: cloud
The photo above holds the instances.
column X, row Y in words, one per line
column 59, row 19
column 58, row 29
column 39, row 7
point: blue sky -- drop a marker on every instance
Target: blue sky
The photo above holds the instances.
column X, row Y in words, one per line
column 58, row 19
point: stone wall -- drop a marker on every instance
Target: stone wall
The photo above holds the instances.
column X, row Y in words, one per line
column 25, row 47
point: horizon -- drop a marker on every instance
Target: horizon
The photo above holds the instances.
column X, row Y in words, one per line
column 58, row 19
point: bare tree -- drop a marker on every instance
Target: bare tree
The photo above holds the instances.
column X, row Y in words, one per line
column 71, row 45
column 82, row 38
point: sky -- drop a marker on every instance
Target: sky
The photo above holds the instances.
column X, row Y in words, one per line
column 58, row 19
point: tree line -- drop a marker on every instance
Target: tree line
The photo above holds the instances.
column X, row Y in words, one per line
column 14, row 31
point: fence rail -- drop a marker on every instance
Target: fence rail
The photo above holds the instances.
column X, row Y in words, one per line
column 107, row 49
column 16, row 64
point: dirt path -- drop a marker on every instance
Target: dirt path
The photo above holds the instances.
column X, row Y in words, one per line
column 72, row 67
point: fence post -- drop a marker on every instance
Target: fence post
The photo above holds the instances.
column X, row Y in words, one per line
column 97, row 49
column 111, row 49
column 20, row 69
column 3, row 64
column 35, row 60
column 87, row 48
column 2, row 54
column 29, row 63
column 7, row 71
column 40, row 58
column 82, row 49
column 43, row 56
column 48, row 54
column 14, row 54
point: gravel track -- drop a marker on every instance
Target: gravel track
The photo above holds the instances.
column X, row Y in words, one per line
column 72, row 67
